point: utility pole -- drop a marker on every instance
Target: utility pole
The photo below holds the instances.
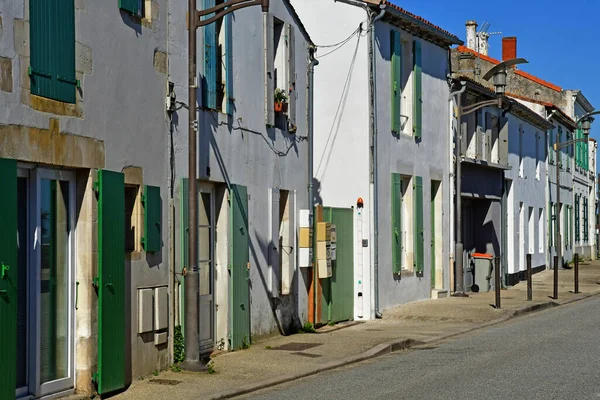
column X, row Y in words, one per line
column 193, row 360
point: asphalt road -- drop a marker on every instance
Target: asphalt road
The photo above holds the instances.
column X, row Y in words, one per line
column 551, row 355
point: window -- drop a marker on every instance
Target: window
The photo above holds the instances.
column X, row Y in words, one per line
column 537, row 156
column 418, row 90
column 531, row 228
column 52, row 48
column 132, row 6
column 585, row 219
column 419, row 235
column 152, row 240
column 282, row 241
column 280, row 73
column 551, row 146
column 407, row 223
column 396, row 80
column 577, row 218
column 396, row 223
column 521, row 169
column 541, row 231
column 217, row 84
column 560, row 153
column 551, row 221
column 132, row 219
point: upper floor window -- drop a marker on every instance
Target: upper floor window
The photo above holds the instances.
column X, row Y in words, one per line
column 52, row 48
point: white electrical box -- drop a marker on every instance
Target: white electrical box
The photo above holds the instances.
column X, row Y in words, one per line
column 333, row 238
column 332, row 251
column 161, row 308
column 304, row 219
column 325, row 270
column 144, row 310
column 305, row 256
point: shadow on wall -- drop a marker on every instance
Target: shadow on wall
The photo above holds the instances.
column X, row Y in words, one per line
column 283, row 308
column 317, row 199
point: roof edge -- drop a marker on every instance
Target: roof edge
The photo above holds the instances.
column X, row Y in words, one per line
column 296, row 17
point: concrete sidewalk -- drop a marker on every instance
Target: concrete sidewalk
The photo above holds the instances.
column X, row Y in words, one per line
column 282, row 359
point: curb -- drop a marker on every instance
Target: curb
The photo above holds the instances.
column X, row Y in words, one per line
column 388, row 348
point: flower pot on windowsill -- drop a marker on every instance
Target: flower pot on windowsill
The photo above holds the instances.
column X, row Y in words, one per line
column 281, row 107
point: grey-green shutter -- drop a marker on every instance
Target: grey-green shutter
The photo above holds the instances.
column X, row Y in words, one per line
column 269, row 55
column 152, row 240
column 585, row 220
column 396, row 81
column 209, row 86
column 292, row 76
column 418, row 225
column 229, row 64
column 239, row 268
column 577, row 225
column 8, row 278
column 551, row 146
column 418, row 91
column 131, row 6
column 52, row 48
column 396, row 223
column 111, row 282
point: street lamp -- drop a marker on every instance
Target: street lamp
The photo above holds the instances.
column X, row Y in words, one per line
column 586, row 124
column 499, row 73
column 192, row 283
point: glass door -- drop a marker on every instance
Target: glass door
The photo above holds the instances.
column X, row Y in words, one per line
column 45, row 361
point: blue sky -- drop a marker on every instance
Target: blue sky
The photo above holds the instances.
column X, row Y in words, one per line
column 559, row 38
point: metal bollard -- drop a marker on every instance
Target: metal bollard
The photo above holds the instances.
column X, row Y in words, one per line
column 529, row 283
column 497, row 283
column 576, row 273
column 555, row 278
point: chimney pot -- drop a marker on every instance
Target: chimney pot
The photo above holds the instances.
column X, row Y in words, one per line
column 509, row 48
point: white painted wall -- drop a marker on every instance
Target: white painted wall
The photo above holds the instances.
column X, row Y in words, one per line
column 242, row 150
column 341, row 142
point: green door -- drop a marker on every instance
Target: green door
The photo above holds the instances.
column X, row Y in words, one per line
column 111, row 282
column 8, row 279
column 239, row 268
column 338, row 291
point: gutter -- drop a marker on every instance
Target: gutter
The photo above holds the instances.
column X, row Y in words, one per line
column 310, row 116
column 374, row 174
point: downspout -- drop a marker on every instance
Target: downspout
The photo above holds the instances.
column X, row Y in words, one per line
column 373, row 85
column 311, row 203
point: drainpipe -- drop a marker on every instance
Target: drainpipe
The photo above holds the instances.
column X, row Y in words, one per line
column 311, row 203
column 374, row 183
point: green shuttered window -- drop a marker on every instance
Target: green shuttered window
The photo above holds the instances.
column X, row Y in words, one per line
column 418, row 225
column 418, row 91
column 152, row 240
column 209, row 92
column 396, row 223
column 396, row 80
column 52, row 48
column 111, row 282
column 585, row 220
column 131, row 6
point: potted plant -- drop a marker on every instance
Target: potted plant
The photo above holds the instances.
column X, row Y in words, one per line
column 280, row 101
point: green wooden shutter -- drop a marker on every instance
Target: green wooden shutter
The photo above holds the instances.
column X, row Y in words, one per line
column 209, row 84
column 152, row 240
column 184, row 238
column 566, row 224
column 418, row 91
column 418, row 225
column 269, row 64
column 131, row 6
column 396, row 223
column 551, row 146
column 550, row 230
column 8, row 279
column 396, row 89
column 239, row 268
column 228, row 21
column 111, row 282
column 560, row 152
column 52, row 48
column 577, row 224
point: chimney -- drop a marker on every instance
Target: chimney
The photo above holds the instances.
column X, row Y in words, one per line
column 483, row 43
column 509, row 48
column 471, row 35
